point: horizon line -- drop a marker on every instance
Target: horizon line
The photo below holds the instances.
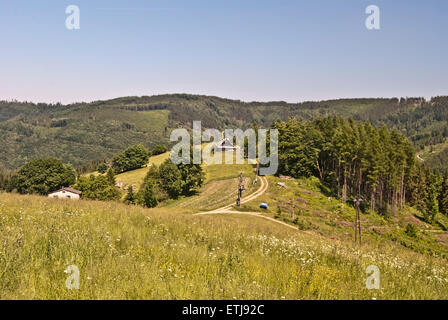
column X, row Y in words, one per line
column 426, row 99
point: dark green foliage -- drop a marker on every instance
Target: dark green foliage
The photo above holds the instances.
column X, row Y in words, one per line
column 102, row 168
column 5, row 179
column 110, row 175
column 159, row 149
column 356, row 159
column 432, row 203
column 411, row 230
column 130, row 196
column 89, row 166
column 44, row 176
column 443, row 197
column 171, row 179
column 153, row 173
column 100, row 129
column 58, row 123
column 192, row 178
column 352, row 159
column 151, row 192
column 132, row 158
column 97, row 188
column 149, row 195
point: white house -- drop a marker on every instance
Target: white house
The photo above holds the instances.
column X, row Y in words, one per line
column 65, row 193
column 225, row 145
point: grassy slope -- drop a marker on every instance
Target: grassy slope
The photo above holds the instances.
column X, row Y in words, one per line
column 219, row 189
column 134, row 253
column 136, row 177
column 167, row 253
column 304, row 204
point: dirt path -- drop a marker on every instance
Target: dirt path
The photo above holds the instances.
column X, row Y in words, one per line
column 263, row 187
column 420, row 158
column 228, row 209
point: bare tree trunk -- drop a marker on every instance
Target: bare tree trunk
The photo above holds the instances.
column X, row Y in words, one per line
column 321, row 174
column 344, row 190
column 372, row 201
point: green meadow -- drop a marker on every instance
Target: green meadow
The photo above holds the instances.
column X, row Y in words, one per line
column 128, row 252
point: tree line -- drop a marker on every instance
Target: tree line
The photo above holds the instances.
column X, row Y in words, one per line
column 358, row 160
column 169, row 181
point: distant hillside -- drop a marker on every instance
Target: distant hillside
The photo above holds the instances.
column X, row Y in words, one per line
column 81, row 132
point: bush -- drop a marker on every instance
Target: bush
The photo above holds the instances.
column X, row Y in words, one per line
column 130, row 196
column 97, row 188
column 159, row 149
column 132, row 158
column 102, row 168
column 171, row 179
column 411, row 230
column 149, row 196
column 44, row 176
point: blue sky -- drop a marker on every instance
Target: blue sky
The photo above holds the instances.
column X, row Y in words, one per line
column 245, row 49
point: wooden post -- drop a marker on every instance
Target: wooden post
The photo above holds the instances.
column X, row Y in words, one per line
column 358, row 221
column 240, row 189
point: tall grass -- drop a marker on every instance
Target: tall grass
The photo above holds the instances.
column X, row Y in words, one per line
column 126, row 252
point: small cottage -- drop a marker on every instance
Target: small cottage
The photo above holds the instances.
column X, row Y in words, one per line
column 225, row 145
column 66, row 193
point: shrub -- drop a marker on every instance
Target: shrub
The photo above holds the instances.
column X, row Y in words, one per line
column 149, row 197
column 130, row 196
column 411, row 230
column 132, row 158
column 159, row 149
column 102, row 168
column 44, row 176
column 170, row 179
column 97, row 188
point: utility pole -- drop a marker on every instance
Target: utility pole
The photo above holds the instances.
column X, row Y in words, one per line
column 357, row 200
column 256, row 172
column 240, row 189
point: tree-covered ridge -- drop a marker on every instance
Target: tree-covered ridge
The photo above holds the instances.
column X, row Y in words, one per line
column 357, row 160
column 82, row 132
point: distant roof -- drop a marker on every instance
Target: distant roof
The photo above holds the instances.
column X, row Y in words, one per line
column 68, row 190
column 225, row 143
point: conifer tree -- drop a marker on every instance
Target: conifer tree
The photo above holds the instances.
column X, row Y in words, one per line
column 130, row 196
column 443, row 197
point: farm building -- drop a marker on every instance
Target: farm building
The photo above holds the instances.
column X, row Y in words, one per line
column 65, row 193
column 225, row 145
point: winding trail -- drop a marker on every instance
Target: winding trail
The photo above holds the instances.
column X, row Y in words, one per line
column 229, row 208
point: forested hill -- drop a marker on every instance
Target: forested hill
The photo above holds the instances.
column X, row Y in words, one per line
column 81, row 132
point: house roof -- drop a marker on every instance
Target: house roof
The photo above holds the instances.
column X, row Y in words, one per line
column 68, row 190
column 225, row 143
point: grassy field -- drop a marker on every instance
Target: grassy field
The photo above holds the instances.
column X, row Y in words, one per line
column 215, row 194
column 219, row 188
column 126, row 252
column 136, row 176
column 303, row 203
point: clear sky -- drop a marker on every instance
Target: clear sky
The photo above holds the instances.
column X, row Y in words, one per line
column 244, row 49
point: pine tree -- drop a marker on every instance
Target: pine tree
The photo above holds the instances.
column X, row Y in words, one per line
column 443, row 196
column 432, row 203
column 111, row 176
column 353, row 159
column 130, row 196
column 149, row 195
